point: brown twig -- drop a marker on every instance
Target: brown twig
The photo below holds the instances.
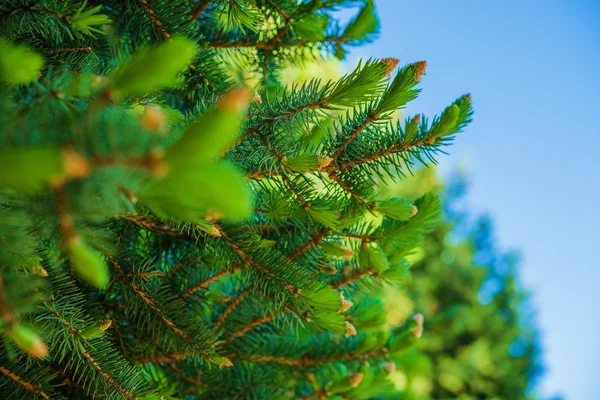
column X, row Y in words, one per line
column 307, row 362
column 182, row 263
column 253, row 263
column 371, row 117
column 399, row 148
column 27, row 385
column 152, row 15
column 199, row 9
column 314, row 240
column 355, row 276
column 253, row 324
column 234, row 303
column 109, row 379
column 208, row 281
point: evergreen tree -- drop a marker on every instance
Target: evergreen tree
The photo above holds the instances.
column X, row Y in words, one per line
column 167, row 232
column 480, row 341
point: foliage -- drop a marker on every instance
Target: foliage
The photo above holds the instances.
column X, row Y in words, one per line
column 169, row 233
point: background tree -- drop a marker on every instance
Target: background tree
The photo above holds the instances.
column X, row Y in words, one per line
column 480, row 340
column 168, row 233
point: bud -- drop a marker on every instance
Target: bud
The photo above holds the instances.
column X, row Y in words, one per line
column 447, row 123
column 356, row 379
column 222, row 362
column 237, row 100
column 420, row 68
column 417, row 331
column 27, row 340
column 153, row 119
column 412, row 128
column 346, row 304
column 156, row 67
column 390, row 63
column 18, row 63
column 76, row 166
column 324, row 161
column 267, row 243
column 96, row 329
column 303, row 162
column 213, row 131
column 347, row 252
column 350, row 329
column 334, row 249
column 389, row 367
column 39, row 271
column 414, row 211
column 212, row 215
column 87, row 263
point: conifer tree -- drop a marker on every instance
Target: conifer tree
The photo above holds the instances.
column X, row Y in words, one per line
column 173, row 230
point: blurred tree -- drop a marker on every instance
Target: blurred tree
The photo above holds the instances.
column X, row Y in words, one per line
column 479, row 340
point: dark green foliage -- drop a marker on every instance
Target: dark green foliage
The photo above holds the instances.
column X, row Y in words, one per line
column 167, row 233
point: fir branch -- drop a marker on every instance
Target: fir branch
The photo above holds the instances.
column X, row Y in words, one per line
column 334, row 176
column 232, row 305
column 27, row 385
column 165, row 358
column 118, row 333
column 146, row 274
column 371, row 116
column 197, row 384
column 194, row 71
column 279, row 10
column 152, row 305
column 267, row 120
column 253, row 324
column 251, row 262
column 314, row 240
column 94, row 364
column 305, row 204
column 198, row 9
column 109, row 379
column 155, row 20
column 86, row 49
column 205, row 283
column 244, row 393
column 402, row 147
column 359, row 273
column 180, row 264
column 155, row 225
column 270, row 46
column 287, row 181
column 308, row 362
column 320, row 394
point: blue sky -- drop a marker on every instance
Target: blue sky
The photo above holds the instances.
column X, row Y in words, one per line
column 532, row 67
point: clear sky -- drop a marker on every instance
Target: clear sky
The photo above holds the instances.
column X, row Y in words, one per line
column 532, row 67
